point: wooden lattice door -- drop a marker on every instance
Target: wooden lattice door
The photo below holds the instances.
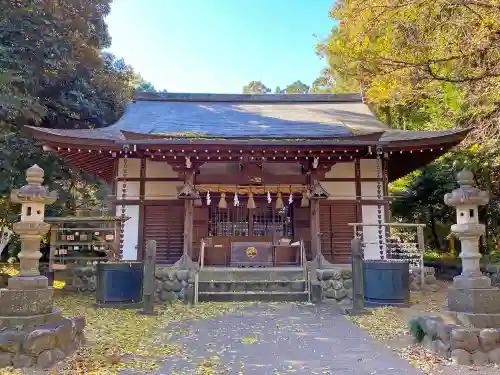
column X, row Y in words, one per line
column 336, row 234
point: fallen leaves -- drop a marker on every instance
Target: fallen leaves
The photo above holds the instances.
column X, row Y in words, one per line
column 121, row 338
column 383, row 323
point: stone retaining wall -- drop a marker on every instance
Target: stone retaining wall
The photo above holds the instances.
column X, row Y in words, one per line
column 174, row 284
column 430, row 280
column 336, row 284
column 464, row 346
column 80, row 278
column 42, row 346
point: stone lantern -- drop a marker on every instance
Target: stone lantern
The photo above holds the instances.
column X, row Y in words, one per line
column 467, row 200
column 33, row 198
column 471, row 297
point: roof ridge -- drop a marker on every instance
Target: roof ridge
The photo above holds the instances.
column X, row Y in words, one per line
column 248, row 98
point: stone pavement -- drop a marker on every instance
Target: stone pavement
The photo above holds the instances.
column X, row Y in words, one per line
column 282, row 338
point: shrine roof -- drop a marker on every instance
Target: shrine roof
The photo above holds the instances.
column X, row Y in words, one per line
column 226, row 118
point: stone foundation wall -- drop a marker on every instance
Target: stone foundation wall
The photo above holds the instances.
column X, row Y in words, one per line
column 80, row 278
column 174, row 284
column 336, row 284
column 430, row 280
column 464, row 346
column 43, row 346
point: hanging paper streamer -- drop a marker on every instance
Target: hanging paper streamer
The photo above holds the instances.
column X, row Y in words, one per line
column 290, row 199
column 188, row 162
column 208, row 198
column 236, row 201
column 269, row 200
column 315, row 163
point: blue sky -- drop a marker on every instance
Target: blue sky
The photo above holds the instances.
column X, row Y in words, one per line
column 220, row 45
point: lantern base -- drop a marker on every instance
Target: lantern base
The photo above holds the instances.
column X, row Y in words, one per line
column 479, row 301
column 22, row 302
column 27, row 282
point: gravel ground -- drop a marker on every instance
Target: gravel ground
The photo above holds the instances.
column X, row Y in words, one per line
column 270, row 339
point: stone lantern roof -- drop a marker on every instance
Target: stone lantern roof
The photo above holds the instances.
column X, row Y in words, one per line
column 34, row 191
column 467, row 193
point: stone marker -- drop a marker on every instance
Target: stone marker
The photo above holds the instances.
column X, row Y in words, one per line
column 149, row 284
column 358, row 295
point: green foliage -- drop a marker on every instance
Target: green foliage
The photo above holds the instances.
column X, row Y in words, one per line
column 256, row 87
column 298, row 87
column 54, row 73
column 416, row 330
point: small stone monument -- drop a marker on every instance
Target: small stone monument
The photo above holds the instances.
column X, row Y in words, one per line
column 32, row 332
column 471, row 297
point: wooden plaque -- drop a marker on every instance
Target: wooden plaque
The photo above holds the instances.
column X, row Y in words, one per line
column 251, row 254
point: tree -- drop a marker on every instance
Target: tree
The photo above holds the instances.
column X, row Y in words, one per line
column 256, row 87
column 278, row 90
column 297, row 88
column 410, row 53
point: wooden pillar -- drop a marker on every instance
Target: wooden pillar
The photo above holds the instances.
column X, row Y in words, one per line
column 315, row 229
column 188, row 221
column 188, row 227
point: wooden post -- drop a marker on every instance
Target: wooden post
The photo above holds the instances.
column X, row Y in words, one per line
column 148, row 294
column 188, row 227
column 358, row 295
column 315, row 234
column 421, row 249
column 52, row 251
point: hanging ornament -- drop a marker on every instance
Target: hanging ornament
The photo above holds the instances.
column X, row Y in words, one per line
column 269, row 200
column 251, row 201
column 279, row 201
column 236, row 201
column 222, row 202
column 188, row 162
column 290, row 198
column 208, row 198
column 304, row 202
column 198, row 202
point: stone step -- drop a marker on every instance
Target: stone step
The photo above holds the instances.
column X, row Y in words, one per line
column 251, row 274
column 253, row 286
column 253, row 296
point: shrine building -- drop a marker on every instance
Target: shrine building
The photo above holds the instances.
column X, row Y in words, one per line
column 239, row 169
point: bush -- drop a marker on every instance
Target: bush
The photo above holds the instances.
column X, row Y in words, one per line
column 435, row 255
column 416, row 330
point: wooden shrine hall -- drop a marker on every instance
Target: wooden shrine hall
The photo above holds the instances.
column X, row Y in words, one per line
column 249, row 175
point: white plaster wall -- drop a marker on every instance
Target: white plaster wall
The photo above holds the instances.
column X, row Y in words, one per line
column 342, row 170
column 159, row 169
column 370, row 233
column 368, row 168
column 340, row 190
column 133, row 167
column 369, row 190
column 162, row 189
column 132, row 190
column 130, row 232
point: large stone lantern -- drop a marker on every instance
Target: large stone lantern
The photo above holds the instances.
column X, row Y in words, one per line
column 33, row 198
column 467, row 200
column 471, row 297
